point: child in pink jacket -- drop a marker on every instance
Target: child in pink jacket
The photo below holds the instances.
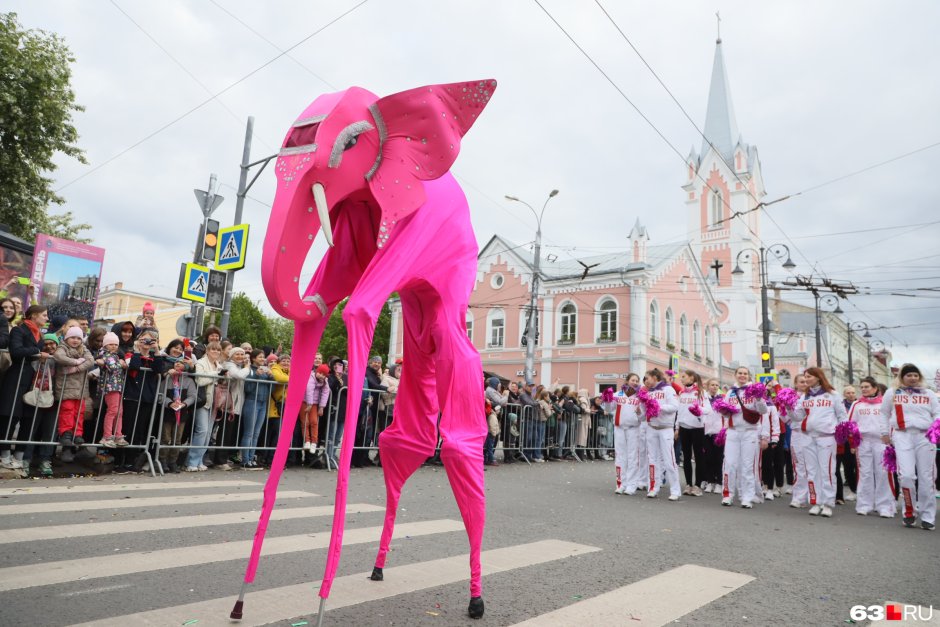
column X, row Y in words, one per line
column 316, row 399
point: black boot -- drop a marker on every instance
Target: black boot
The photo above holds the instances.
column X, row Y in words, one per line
column 476, row 607
column 377, row 574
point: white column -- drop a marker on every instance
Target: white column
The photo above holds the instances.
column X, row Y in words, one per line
column 547, row 339
column 639, row 319
column 395, row 309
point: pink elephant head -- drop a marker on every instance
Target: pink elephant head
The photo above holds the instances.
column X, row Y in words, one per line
column 352, row 148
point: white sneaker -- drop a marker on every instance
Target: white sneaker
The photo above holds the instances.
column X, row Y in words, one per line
column 747, row 506
column 652, row 495
column 673, row 497
column 826, row 511
column 815, row 510
column 192, row 469
column 849, row 496
column 704, row 486
column 619, row 490
column 769, row 495
column 306, row 446
column 727, row 502
column 202, row 468
column 789, row 490
column 777, row 492
column 796, row 505
column 628, row 492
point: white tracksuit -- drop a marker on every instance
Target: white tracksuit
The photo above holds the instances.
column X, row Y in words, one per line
column 798, row 440
column 742, row 444
column 627, row 463
column 910, row 412
column 875, row 491
column 642, row 453
column 816, row 416
column 660, row 439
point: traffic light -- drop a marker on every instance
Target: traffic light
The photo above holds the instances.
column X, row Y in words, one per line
column 767, row 358
column 210, row 239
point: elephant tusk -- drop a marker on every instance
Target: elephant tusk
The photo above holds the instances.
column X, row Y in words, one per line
column 323, row 210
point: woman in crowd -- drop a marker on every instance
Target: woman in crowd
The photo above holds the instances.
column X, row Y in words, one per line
column 662, row 433
column 800, row 492
column 845, row 458
column 336, row 421
column 771, row 465
column 713, row 453
column 544, row 413
column 179, row 395
column 694, row 404
column 911, row 409
column 255, row 407
column 742, row 443
column 816, row 417
column 874, row 483
column 127, row 335
column 226, row 431
column 27, row 358
column 628, row 468
column 208, row 371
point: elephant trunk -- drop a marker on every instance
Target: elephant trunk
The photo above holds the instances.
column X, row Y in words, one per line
column 292, row 228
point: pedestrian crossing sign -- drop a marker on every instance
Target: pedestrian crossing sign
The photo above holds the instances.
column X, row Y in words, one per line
column 194, row 282
column 767, row 378
column 230, row 253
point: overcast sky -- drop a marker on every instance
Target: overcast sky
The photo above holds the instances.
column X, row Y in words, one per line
column 823, row 89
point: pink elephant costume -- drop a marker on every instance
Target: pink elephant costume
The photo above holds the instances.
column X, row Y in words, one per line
column 373, row 173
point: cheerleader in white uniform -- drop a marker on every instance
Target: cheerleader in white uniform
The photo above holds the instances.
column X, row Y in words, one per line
column 627, row 464
column 769, row 437
column 694, row 404
column 631, row 388
column 714, row 454
column 911, row 409
column 816, row 417
column 742, row 442
column 875, row 491
column 661, row 434
column 799, row 493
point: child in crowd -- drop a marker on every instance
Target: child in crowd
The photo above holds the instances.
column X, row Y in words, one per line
column 112, row 366
column 316, row 400
column 71, row 386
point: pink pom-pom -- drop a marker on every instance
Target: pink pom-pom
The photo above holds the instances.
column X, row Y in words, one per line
column 696, row 410
column 933, row 433
column 847, row 433
column 671, row 373
column 785, row 400
column 722, row 406
column 720, row 437
column 890, row 459
column 754, row 392
column 643, row 395
column 652, row 408
column 608, row 395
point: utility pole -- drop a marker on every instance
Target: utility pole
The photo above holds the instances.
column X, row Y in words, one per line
column 829, row 292
column 532, row 330
column 776, row 250
column 243, row 186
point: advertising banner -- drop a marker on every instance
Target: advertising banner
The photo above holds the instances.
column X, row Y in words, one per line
column 16, row 262
column 67, row 275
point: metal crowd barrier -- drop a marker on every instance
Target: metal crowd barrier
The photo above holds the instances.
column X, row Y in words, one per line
column 34, row 430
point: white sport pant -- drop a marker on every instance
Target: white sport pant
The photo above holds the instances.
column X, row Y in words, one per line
column 820, row 456
column 660, row 445
column 626, row 457
column 797, row 455
column 874, row 485
column 916, row 460
column 741, row 447
column 643, row 454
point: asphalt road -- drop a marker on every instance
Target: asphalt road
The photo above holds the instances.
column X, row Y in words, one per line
column 805, row 570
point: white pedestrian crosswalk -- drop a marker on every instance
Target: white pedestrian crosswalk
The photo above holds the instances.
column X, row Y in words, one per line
column 97, row 572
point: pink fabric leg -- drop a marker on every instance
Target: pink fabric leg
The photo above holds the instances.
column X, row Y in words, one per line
column 412, row 436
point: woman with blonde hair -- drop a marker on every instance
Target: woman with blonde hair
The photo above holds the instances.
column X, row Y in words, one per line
column 208, row 369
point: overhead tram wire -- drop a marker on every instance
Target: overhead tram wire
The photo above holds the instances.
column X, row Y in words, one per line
column 210, row 99
column 635, row 107
column 179, row 64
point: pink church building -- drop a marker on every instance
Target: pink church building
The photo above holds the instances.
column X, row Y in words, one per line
column 649, row 305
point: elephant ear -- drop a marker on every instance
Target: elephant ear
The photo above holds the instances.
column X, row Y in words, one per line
column 419, row 137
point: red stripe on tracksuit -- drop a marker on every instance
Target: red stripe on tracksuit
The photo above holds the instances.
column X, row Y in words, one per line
column 908, row 503
column 652, row 478
column 899, row 410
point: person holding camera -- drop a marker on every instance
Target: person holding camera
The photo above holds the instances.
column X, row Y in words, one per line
column 144, row 366
column 257, row 391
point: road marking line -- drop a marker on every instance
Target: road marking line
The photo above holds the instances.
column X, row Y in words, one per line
column 280, row 604
column 59, row 532
column 115, row 564
column 656, row 600
column 76, row 593
column 123, row 487
column 141, row 502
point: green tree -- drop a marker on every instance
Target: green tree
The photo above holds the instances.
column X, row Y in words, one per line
column 36, row 105
column 248, row 323
column 335, row 337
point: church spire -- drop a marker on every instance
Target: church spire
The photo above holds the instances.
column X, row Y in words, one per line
column 721, row 127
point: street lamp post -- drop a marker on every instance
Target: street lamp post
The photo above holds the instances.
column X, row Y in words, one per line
column 532, row 328
column 856, row 326
column 829, row 300
column 777, row 251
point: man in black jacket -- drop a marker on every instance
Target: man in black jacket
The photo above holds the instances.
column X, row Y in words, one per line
column 369, row 413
